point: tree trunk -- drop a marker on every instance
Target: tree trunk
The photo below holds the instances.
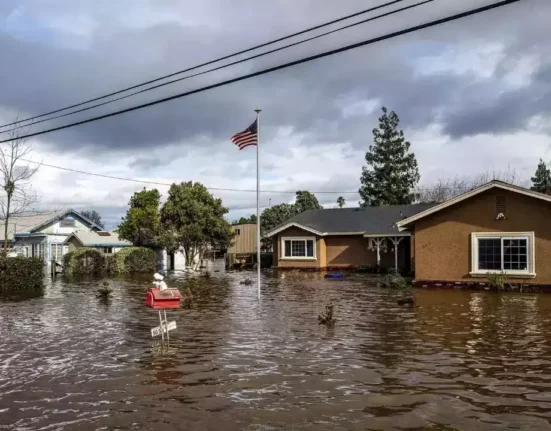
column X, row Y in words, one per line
column 6, row 221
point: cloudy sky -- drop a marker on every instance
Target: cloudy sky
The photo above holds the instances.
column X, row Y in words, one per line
column 473, row 95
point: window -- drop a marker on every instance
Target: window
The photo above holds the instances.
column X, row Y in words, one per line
column 38, row 251
column 509, row 252
column 56, row 252
column 108, row 250
column 298, row 248
column 238, row 232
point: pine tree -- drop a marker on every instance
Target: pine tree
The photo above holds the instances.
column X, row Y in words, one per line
column 542, row 179
column 340, row 201
column 391, row 174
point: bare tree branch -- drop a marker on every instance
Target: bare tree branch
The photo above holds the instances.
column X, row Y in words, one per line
column 15, row 180
column 445, row 189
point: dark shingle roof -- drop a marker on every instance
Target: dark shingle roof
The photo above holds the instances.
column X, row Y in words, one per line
column 371, row 221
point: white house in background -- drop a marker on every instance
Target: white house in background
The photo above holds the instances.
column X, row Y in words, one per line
column 105, row 242
column 171, row 261
column 43, row 235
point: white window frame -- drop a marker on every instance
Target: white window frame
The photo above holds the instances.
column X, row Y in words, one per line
column 298, row 238
column 529, row 236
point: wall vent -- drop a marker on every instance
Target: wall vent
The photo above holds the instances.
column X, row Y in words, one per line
column 501, row 205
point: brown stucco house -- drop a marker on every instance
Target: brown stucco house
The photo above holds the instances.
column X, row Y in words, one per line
column 494, row 228
column 345, row 238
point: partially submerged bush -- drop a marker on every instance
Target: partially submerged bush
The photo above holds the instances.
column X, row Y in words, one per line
column 497, row 280
column 84, row 261
column 394, row 280
column 132, row 260
column 89, row 261
column 21, row 273
column 105, row 291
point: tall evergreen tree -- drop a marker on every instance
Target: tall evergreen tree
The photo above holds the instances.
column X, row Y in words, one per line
column 340, row 201
column 306, row 201
column 391, row 174
column 542, row 179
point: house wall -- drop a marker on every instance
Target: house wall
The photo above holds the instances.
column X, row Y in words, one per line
column 300, row 263
column 340, row 251
column 443, row 239
column 245, row 242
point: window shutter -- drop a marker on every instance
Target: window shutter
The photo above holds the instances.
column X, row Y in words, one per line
column 501, row 205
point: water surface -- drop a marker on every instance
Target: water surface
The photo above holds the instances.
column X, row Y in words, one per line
column 458, row 360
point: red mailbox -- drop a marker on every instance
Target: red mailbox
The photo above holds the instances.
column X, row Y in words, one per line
column 162, row 299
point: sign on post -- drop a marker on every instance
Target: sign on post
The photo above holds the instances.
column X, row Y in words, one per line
column 155, row 332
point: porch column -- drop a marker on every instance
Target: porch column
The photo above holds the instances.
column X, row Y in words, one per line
column 396, row 240
column 378, row 243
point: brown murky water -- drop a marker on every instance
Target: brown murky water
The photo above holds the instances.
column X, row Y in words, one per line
column 458, row 361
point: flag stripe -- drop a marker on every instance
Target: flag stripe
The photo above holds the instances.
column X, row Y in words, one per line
column 247, row 137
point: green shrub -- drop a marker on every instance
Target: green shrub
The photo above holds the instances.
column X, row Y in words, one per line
column 84, row 261
column 134, row 260
column 394, row 280
column 21, row 273
column 497, row 280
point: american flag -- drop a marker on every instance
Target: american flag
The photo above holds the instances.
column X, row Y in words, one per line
column 247, row 137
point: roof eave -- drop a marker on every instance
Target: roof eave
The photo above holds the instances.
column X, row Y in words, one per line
column 293, row 224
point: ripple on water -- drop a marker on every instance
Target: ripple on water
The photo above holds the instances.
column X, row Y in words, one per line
column 459, row 360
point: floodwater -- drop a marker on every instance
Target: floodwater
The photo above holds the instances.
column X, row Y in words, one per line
column 458, row 360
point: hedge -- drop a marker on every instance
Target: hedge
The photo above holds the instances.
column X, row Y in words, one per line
column 84, row 261
column 21, row 273
column 89, row 261
column 132, row 260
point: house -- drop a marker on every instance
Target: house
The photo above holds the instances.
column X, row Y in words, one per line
column 43, row 235
column 105, row 242
column 245, row 239
column 494, row 228
column 345, row 238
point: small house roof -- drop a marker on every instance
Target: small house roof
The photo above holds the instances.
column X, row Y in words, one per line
column 370, row 221
column 99, row 239
column 29, row 223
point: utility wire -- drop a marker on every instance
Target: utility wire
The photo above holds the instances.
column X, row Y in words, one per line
column 344, row 18
column 280, row 67
column 169, row 184
column 219, row 67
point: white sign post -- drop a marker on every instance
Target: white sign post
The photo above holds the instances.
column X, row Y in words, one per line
column 164, row 327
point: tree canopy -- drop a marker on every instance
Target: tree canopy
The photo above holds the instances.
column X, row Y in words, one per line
column 391, row 174
column 340, row 201
column 140, row 226
column 93, row 216
column 278, row 214
column 541, row 181
column 192, row 219
column 246, row 220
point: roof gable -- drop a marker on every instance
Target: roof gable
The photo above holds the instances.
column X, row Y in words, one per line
column 60, row 215
column 488, row 186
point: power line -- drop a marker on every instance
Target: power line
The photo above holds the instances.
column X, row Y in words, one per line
column 220, row 67
column 280, row 67
column 169, row 184
column 209, row 62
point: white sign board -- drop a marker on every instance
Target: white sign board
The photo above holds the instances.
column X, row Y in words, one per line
column 157, row 330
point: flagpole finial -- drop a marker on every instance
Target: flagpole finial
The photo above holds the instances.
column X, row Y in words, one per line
column 258, row 110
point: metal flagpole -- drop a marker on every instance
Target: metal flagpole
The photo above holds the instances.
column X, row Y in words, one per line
column 257, row 110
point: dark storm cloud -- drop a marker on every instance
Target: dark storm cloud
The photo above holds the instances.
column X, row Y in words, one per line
column 40, row 77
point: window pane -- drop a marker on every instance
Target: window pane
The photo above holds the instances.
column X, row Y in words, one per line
column 287, row 249
column 310, row 248
column 298, row 248
column 489, row 254
column 515, row 256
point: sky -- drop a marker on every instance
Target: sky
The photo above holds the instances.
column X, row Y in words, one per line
column 473, row 95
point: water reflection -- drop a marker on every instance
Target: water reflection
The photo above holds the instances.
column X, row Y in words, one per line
column 458, row 360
